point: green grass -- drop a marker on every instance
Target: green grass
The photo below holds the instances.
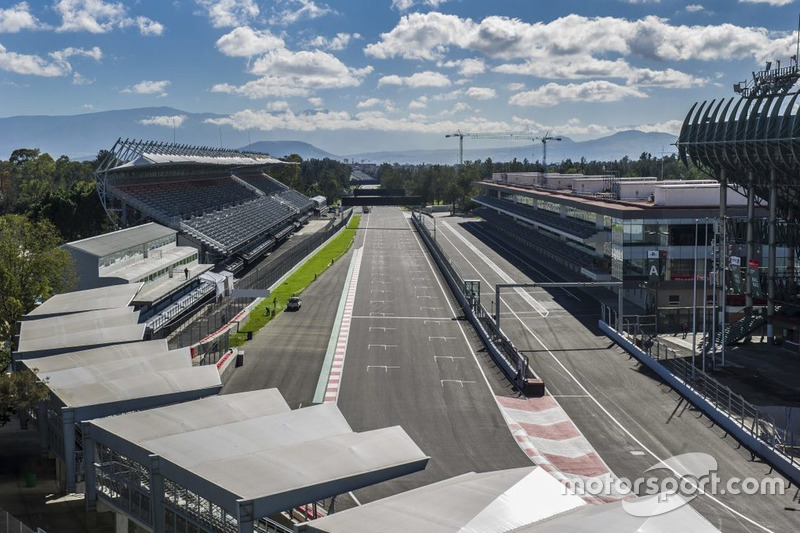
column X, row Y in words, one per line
column 296, row 283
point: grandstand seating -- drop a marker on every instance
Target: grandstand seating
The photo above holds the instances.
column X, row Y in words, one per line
column 264, row 183
column 238, row 225
column 571, row 226
column 187, row 198
column 299, row 201
column 533, row 239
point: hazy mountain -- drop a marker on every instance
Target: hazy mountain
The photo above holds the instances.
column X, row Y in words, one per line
column 284, row 148
column 626, row 143
column 82, row 136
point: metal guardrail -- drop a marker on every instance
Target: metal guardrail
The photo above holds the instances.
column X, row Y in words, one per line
column 756, row 429
column 514, row 364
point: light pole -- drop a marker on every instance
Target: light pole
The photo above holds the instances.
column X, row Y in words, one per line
column 694, row 300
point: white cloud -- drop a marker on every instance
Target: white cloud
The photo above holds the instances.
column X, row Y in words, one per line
column 419, row 79
column 17, row 18
column 167, row 121
column 264, row 87
column 575, row 39
column 404, row 5
column 149, row 87
column 770, row 2
column 229, row 13
column 302, row 10
column 466, row 67
column 316, row 101
column 32, row 64
column 477, row 93
column 337, row 42
column 695, row 8
column 313, row 69
column 670, row 126
column 515, row 87
column 592, row 91
column 78, row 79
column 247, row 42
column 38, row 66
column 88, row 106
column 419, row 103
column 97, row 16
column 278, row 105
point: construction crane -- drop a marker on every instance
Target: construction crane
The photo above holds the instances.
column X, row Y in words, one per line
column 504, row 135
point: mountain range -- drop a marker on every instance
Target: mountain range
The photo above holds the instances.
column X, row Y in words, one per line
column 83, row 136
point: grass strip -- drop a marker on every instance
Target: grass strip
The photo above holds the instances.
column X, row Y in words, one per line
column 297, row 282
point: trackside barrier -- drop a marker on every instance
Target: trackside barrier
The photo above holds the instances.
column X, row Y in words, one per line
column 530, row 385
column 753, row 433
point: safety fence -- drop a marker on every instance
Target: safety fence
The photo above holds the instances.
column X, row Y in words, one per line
column 513, row 364
column 216, row 314
column 758, row 430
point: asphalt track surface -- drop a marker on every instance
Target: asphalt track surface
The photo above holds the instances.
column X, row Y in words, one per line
column 288, row 353
column 629, row 416
column 410, row 362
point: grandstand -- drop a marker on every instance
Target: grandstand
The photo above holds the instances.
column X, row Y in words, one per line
column 220, row 200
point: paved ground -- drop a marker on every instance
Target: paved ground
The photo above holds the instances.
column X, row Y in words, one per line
column 629, row 417
column 409, row 363
column 288, row 353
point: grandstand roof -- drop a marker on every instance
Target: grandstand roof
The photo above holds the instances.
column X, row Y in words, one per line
column 116, row 241
column 129, row 154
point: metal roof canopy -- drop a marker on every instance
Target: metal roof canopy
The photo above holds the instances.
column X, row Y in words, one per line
column 274, row 461
column 89, row 300
column 55, row 363
column 614, row 517
column 112, row 369
column 76, row 332
column 747, row 135
column 117, row 241
column 496, row 502
column 88, row 320
column 140, row 391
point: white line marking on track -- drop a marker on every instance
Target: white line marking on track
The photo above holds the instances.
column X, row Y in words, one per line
column 386, row 368
column 384, row 346
column 451, row 357
column 392, row 317
column 459, row 381
column 432, row 308
column 381, row 328
column 445, row 339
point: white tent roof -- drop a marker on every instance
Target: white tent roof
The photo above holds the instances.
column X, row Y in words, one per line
column 491, row 502
column 116, row 352
column 65, row 324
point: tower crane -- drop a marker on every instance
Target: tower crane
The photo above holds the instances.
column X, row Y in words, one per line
column 507, row 135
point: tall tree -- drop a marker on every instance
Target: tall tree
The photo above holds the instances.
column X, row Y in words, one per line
column 32, row 266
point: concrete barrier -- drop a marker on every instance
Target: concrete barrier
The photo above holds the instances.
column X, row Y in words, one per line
column 772, row 456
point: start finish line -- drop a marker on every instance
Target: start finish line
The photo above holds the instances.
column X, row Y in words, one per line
column 559, row 285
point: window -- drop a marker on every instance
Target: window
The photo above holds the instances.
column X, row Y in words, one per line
column 674, row 300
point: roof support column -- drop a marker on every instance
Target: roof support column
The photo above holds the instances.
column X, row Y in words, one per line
column 773, row 201
column 246, row 516
column 89, row 474
column 751, row 203
column 68, row 433
column 157, row 494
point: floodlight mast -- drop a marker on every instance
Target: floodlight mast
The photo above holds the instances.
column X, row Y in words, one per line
column 773, row 81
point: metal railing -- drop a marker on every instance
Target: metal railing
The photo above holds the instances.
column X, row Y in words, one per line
column 734, row 406
column 13, row 525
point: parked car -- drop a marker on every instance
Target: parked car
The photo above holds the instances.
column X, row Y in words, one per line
column 294, row 304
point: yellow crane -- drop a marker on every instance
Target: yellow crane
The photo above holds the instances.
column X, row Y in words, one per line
column 504, row 135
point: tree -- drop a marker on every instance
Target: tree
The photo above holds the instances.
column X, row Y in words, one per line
column 19, row 391
column 32, row 266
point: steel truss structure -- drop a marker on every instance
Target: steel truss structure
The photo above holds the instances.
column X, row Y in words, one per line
column 751, row 140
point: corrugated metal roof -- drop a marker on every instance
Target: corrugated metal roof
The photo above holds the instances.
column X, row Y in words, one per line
column 88, row 300
column 72, row 341
column 75, row 322
column 116, row 241
column 54, row 363
column 162, row 383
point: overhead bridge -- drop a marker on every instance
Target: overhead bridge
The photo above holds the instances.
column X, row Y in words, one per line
column 354, row 201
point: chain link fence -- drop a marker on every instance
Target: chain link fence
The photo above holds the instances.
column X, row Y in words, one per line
column 214, row 315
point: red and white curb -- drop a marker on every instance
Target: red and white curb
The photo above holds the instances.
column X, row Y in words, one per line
column 547, row 435
column 335, row 376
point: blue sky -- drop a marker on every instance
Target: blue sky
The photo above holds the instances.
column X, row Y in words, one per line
column 361, row 75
